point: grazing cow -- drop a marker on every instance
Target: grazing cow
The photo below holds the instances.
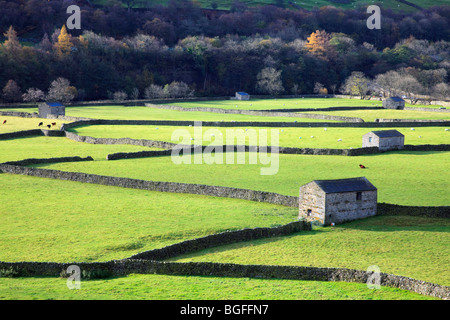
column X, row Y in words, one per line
column 40, row 124
column 4, row 121
column 49, row 126
column 362, row 167
column 53, row 123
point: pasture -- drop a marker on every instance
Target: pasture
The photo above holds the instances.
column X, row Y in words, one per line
column 64, row 221
column 301, row 137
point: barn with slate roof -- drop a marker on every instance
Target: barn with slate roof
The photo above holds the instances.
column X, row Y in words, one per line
column 51, row 109
column 242, row 96
column 384, row 139
column 336, row 201
column 394, row 103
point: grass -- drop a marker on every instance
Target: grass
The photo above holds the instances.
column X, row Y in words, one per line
column 147, row 113
column 20, row 124
column 64, row 221
column 49, row 147
column 159, row 287
column 371, row 115
column 52, row 220
column 288, row 103
column 407, row 178
column 391, row 243
column 284, row 137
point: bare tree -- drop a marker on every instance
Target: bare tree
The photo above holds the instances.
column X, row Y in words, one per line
column 61, row 90
column 120, row 96
column 269, row 81
column 357, row 85
column 153, row 92
column 33, row 95
column 441, row 91
column 177, row 90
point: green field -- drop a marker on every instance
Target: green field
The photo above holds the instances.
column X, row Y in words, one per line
column 85, row 222
column 407, row 178
column 387, row 242
column 287, row 103
column 284, row 137
column 160, row 287
column 51, row 147
column 64, row 221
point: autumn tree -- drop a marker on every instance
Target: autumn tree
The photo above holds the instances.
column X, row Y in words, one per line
column 64, row 45
column 12, row 42
column 318, row 43
column 11, row 92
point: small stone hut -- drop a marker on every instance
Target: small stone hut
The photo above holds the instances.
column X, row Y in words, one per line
column 336, row 201
column 242, row 96
column 394, row 103
column 51, row 108
column 384, row 139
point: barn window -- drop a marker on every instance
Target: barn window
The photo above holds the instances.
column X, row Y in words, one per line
column 308, row 213
column 370, row 139
column 358, row 196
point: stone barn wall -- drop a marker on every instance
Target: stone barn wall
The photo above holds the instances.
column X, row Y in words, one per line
column 311, row 203
column 391, row 143
column 342, row 207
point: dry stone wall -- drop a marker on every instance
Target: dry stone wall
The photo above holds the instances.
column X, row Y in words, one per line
column 131, row 266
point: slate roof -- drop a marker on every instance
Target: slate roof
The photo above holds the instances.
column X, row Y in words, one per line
column 345, row 185
column 55, row 104
column 388, row 133
column 396, row 99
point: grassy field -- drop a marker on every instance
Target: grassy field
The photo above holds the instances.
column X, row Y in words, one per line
column 52, row 220
column 48, row 147
column 407, row 178
column 146, row 113
column 19, row 124
column 371, row 115
column 288, row 103
column 287, row 137
column 82, row 222
column 391, row 243
column 159, row 287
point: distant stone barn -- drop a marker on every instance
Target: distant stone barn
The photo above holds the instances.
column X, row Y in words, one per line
column 384, row 139
column 336, row 201
column 51, row 108
column 242, row 96
column 394, row 103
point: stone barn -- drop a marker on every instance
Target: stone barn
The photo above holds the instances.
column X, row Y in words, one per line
column 242, row 96
column 337, row 201
column 51, row 108
column 385, row 140
column 394, row 103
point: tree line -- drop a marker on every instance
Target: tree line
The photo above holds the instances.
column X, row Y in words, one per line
column 287, row 58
